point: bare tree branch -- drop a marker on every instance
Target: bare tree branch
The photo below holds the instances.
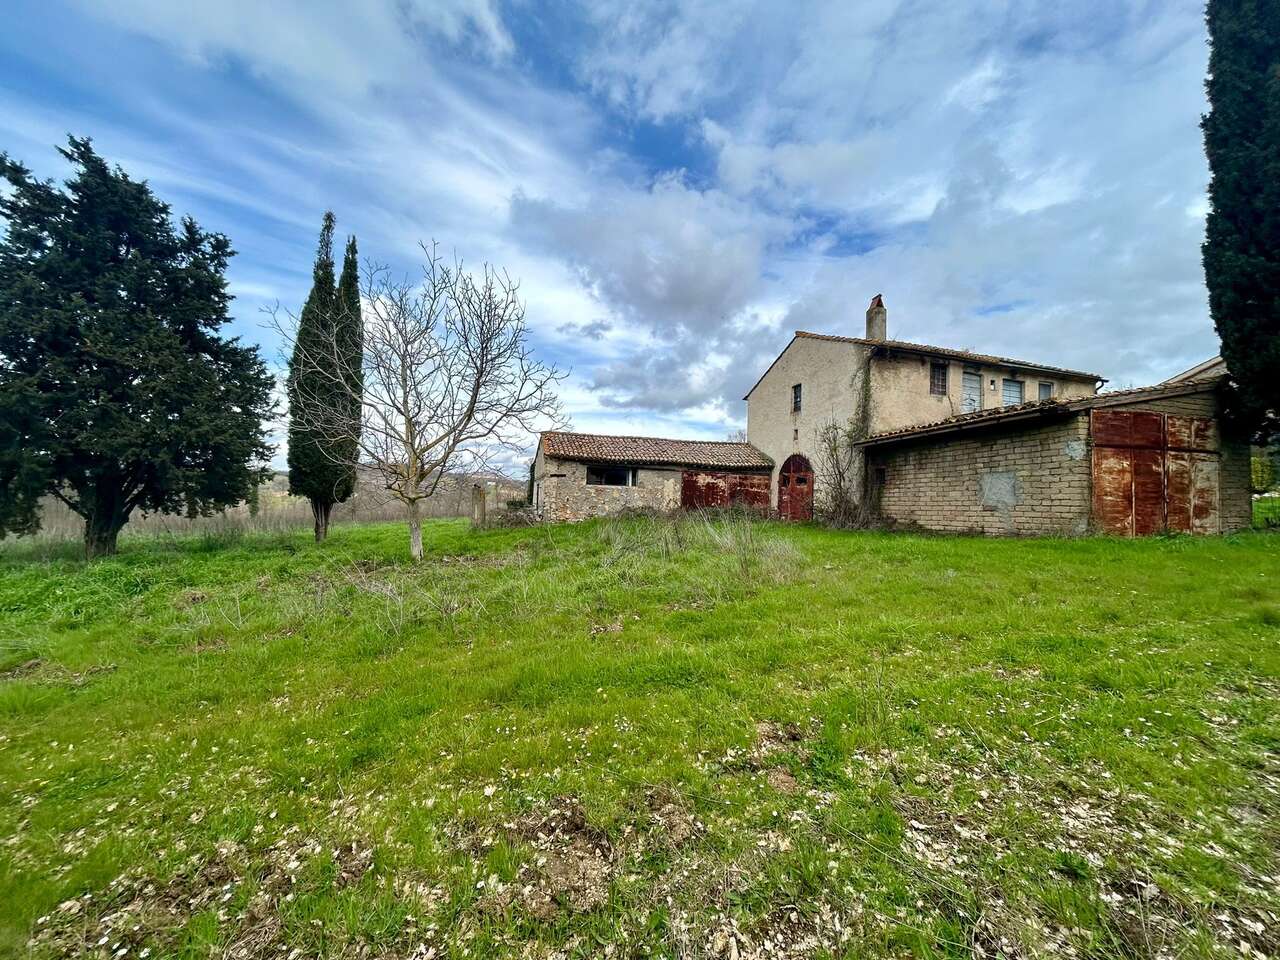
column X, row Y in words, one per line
column 449, row 379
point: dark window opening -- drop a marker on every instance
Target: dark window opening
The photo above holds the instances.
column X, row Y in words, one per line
column 880, row 476
column 795, row 398
column 785, row 481
column 601, row 476
column 795, row 436
column 938, row 379
column 801, row 481
column 1046, row 390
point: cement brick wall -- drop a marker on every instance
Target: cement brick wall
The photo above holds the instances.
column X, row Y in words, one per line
column 562, row 491
column 1002, row 482
column 1034, row 480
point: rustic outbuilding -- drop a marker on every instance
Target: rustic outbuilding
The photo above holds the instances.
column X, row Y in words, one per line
column 580, row 475
column 1127, row 462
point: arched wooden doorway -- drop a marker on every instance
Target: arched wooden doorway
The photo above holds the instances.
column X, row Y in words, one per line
column 795, row 489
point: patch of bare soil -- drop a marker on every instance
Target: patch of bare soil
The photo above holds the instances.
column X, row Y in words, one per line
column 75, row 678
column 139, row 916
column 673, row 824
column 771, row 741
column 785, row 933
column 190, row 598
column 22, row 669
column 573, row 864
column 780, row 779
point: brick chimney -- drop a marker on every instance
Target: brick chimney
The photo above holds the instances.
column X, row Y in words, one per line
column 877, row 320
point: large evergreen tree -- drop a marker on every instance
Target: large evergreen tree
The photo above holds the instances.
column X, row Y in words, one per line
column 117, row 391
column 323, row 385
column 1242, row 240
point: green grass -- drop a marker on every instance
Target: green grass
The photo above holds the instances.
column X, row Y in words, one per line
column 676, row 738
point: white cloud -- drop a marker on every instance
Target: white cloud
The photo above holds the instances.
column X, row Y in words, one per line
column 1025, row 179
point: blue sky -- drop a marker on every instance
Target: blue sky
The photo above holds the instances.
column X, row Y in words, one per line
column 678, row 186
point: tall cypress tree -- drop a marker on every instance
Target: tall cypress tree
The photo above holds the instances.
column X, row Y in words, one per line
column 321, row 459
column 350, row 329
column 1242, row 237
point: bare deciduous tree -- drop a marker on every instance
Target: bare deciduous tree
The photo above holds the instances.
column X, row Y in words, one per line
column 448, row 375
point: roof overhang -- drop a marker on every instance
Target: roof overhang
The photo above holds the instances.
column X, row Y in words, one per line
column 1042, row 410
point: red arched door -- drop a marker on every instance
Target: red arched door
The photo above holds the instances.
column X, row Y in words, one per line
column 795, row 489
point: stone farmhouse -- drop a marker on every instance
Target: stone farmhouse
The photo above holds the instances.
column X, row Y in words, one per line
column 941, row 438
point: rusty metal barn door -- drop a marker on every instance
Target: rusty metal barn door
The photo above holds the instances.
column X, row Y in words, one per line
column 1154, row 472
column 795, row 489
column 701, row 489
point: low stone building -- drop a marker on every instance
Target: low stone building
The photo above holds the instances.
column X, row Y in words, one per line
column 1129, row 462
column 580, row 475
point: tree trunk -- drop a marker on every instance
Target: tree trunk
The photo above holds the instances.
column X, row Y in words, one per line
column 100, row 535
column 415, row 532
column 321, row 511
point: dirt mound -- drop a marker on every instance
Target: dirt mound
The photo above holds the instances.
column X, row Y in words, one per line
column 672, row 821
column 573, row 865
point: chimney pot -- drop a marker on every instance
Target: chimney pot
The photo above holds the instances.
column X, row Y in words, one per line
column 877, row 319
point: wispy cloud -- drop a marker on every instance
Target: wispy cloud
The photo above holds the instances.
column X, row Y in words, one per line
column 679, row 185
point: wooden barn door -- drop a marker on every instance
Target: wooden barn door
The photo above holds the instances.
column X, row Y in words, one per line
column 795, row 489
column 1154, row 472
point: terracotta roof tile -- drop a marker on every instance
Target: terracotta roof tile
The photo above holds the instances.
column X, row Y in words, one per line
column 600, row 448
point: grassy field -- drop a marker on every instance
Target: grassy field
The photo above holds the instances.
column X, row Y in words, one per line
column 642, row 738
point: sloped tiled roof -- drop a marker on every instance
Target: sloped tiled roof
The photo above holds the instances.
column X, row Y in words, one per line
column 1038, row 408
column 925, row 349
column 954, row 354
column 653, row 451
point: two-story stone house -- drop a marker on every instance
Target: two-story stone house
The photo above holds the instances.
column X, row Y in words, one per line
column 876, row 384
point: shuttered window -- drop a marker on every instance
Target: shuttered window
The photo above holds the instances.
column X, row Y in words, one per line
column 1046, row 391
column 1012, row 392
column 971, row 398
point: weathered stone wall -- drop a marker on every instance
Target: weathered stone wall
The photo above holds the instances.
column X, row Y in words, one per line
column 562, row 491
column 1002, row 481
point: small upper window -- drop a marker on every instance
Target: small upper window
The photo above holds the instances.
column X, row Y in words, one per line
column 938, row 379
column 1013, row 392
column 795, row 398
column 1046, row 391
column 608, row 476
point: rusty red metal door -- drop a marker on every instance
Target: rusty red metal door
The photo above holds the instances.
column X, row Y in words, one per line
column 1154, row 472
column 701, row 489
column 795, row 489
